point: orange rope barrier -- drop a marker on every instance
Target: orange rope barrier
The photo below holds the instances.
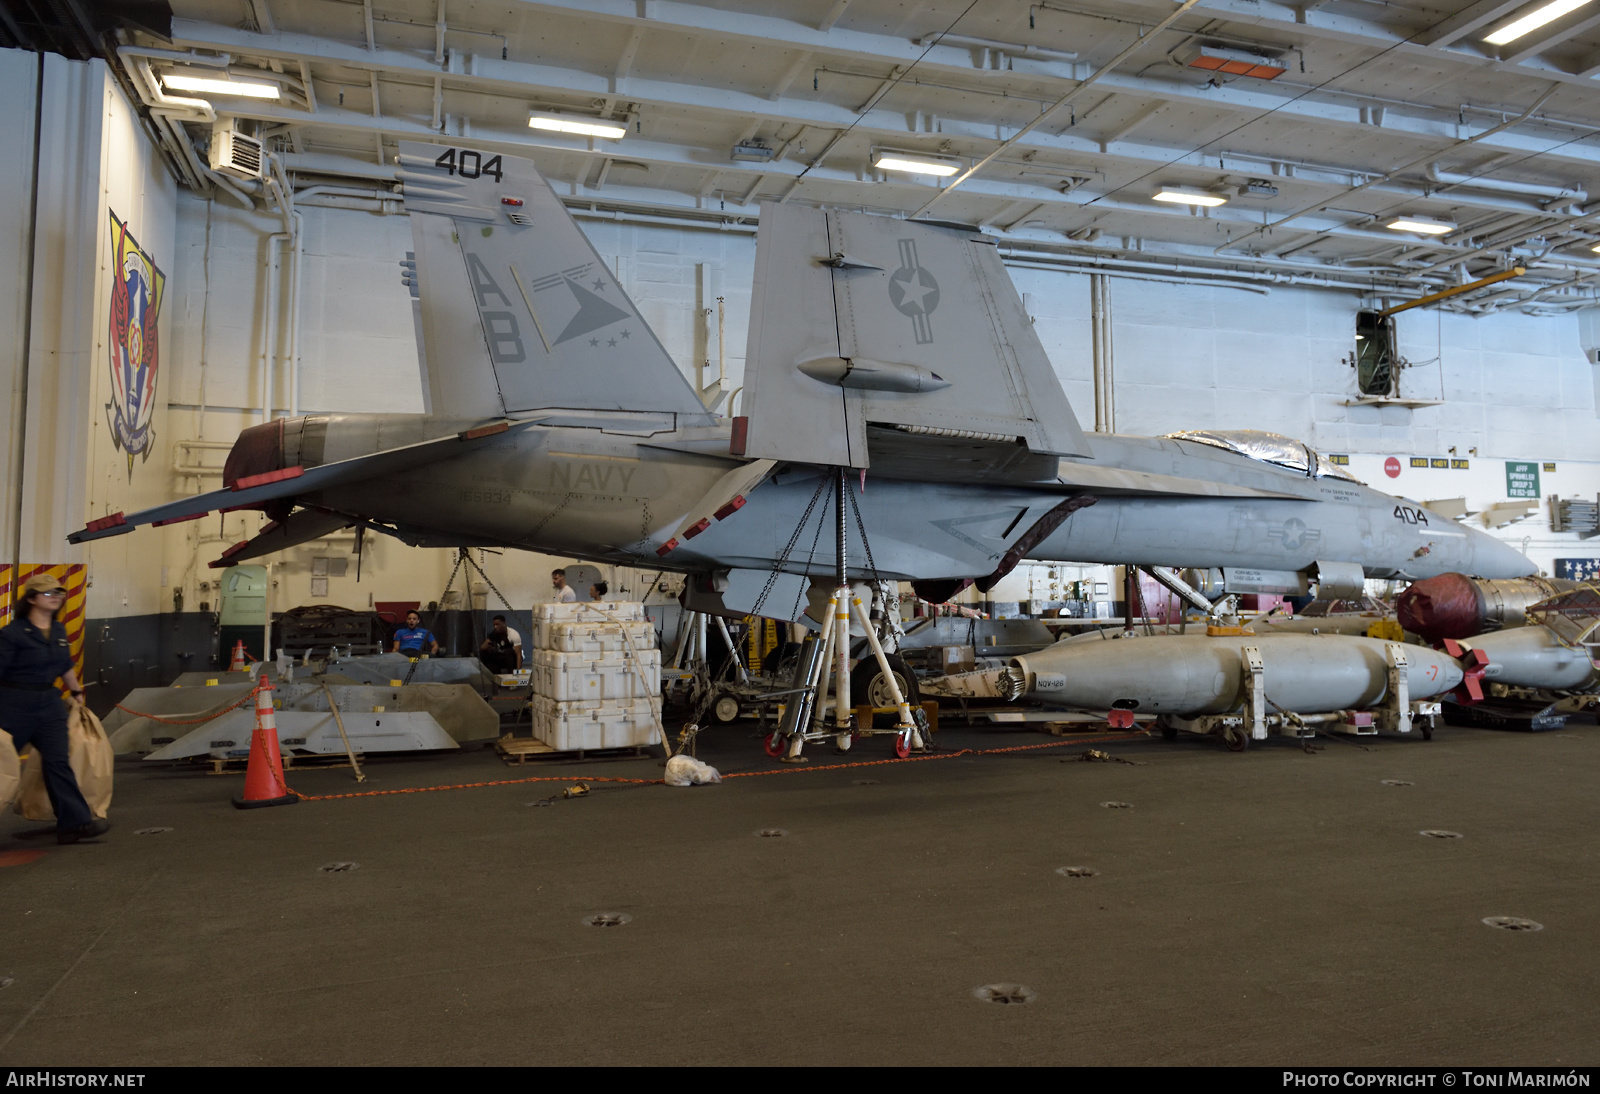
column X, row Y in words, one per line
column 794, row 770
column 251, row 694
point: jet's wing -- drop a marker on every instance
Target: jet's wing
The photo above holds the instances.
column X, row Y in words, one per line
column 254, row 490
column 926, row 457
column 859, row 319
column 1110, row 481
column 301, row 526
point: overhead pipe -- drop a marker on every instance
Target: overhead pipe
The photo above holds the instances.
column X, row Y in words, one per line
column 1105, row 391
column 1505, row 186
column 1218, row 282
column 1378, row 180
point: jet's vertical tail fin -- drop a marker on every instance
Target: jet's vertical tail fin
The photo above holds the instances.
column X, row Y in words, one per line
column 514, row 297
column 862, row 321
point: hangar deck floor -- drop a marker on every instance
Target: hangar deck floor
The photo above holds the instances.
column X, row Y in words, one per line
column 1266, row 908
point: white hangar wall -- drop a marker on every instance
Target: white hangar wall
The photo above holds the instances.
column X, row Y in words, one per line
column 96, row 171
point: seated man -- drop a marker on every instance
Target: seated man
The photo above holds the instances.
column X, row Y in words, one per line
column 501, row 652
column 414, row 639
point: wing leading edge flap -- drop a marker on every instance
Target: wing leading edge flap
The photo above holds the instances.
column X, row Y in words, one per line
column 294, row 481
column 725, row 498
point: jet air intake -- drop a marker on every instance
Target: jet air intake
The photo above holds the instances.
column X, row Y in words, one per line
column 858, row 372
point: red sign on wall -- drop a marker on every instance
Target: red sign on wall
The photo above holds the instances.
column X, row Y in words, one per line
column 1391, row 467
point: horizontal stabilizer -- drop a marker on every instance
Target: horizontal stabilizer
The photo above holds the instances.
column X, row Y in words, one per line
column 301, row 526
column 253, row 492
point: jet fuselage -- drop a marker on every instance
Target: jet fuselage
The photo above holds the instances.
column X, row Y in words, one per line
column 614, row 488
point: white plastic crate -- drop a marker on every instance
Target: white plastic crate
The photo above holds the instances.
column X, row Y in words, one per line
column 570, row 677
column 597, row 636
column 570, row 726
column 593, row 612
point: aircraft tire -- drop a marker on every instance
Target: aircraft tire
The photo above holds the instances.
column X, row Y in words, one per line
column 867, row 684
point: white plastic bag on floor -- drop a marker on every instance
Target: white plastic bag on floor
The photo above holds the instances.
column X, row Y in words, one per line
column 688, row 771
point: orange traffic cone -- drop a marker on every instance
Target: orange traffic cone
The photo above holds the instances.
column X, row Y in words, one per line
column 263, row 779
column 241, row 659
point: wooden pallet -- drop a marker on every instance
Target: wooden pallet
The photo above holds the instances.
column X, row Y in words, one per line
column 521, row 750
column 930, row 708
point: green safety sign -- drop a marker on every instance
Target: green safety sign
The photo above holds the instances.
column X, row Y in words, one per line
column 1522, row 480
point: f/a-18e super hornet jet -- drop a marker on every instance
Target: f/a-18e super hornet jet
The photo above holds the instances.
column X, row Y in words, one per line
column 556, row 422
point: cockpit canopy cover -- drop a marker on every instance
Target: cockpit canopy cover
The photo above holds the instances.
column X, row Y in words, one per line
column 1273, row 448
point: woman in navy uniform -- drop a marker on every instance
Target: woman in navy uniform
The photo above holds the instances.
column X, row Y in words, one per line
column 34, row 654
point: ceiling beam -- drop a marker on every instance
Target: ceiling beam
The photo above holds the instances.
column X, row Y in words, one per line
column 1473, row 17
column 1126, row 128
column 1515, row 53
column 831, row 16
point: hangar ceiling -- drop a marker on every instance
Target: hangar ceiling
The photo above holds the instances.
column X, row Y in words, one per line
column 1063, row 119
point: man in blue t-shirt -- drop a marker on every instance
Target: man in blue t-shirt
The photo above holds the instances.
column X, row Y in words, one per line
column 414, row 639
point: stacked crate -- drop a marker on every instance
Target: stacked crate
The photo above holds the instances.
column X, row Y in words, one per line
column 596, row 675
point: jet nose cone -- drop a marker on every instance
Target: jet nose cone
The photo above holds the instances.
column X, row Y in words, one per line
column 1493, row 558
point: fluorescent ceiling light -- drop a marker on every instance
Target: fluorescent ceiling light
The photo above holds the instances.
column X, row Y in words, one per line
column 583, row 129
column 220, row 86
column 1533, row 21
column 1182, row 195
column 1424, row 227
column 893, row 162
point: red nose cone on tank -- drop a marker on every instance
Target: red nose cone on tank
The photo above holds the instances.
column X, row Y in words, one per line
column 257, row 451
column 1447, row 606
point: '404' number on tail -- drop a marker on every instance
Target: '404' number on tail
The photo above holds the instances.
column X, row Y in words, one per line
column 469, row 164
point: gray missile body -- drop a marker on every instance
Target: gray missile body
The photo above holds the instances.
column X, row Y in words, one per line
column 1189, row 675
column 1533, row 657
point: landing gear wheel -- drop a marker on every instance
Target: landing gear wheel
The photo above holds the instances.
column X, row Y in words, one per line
column 869, row 686
column 726, row 709
column 774, row 744
column 1168, row 732
column 1426, row 725
column 1237, row 740
column 902, row 746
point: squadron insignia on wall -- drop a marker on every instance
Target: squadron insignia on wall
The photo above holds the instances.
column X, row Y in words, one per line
column 138, row 286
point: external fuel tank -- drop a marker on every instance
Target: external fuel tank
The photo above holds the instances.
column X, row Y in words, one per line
column 1204, row 674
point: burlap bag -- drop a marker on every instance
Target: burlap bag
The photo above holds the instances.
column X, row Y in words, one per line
column 10, row 770
column 89, row 752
